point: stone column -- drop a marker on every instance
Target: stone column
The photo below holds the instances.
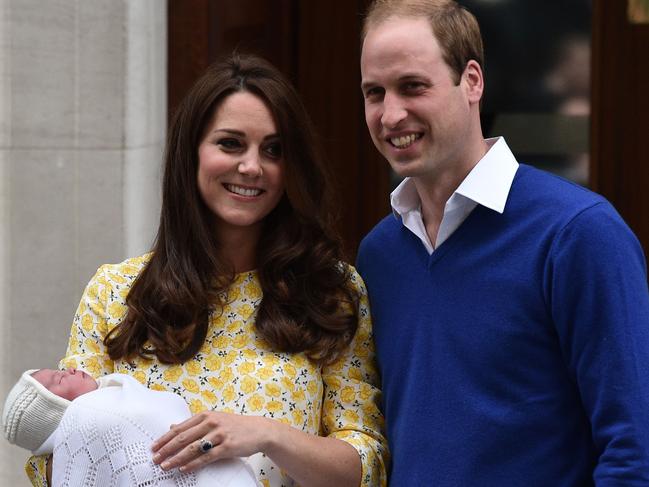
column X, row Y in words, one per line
column 82, row 125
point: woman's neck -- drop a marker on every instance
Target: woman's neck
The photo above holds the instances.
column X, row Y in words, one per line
column 239, row 246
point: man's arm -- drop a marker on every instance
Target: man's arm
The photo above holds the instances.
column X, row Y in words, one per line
column 596, row 284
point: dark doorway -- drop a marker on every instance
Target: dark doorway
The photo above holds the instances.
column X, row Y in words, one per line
column 316, row 43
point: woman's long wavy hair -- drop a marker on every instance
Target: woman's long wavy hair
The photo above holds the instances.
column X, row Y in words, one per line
column 308, row 304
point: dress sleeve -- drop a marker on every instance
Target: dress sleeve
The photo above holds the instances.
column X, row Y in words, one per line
column 350, row 410
column 98, row 312
column 597, row 288
column 86, row 349
column 35, row 469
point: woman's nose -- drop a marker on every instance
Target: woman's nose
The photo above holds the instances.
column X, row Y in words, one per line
column 250, row 167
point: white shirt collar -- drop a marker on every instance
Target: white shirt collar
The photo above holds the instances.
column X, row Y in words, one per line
column 489, row 181
column 487, row 184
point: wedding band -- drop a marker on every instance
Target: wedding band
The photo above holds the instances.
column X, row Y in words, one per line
column 205, row 445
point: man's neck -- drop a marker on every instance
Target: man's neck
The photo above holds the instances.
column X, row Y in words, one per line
column 435, row 190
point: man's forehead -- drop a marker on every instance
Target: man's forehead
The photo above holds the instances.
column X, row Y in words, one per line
column 399, row 41
column 401, row 61
column 399, row 28
column 395, row 76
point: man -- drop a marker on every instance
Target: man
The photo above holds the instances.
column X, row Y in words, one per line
column 510, row 307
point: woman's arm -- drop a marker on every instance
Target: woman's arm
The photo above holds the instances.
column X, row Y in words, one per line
column 85, row 350
column 352, row 452
column 312, row 461
column 48, row 470
column 101, row 307
column 36, row 470
column 351, row 398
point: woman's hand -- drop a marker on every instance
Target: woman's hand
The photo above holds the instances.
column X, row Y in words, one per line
column 232, row 435
column 48, row 470
column 309, row 459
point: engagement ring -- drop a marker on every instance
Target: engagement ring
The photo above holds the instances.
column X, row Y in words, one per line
column 205, row 445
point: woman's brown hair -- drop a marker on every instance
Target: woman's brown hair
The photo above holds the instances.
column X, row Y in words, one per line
column 308, row 304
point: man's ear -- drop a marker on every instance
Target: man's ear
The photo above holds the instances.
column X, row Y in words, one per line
column 473, row 81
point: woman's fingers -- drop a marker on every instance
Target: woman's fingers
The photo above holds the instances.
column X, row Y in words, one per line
column 179, row 441
column 196, row 454
column 230, row 435
column 175, row 430
column 202, row 459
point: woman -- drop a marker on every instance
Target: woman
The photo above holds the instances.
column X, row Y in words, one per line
column 287, row 380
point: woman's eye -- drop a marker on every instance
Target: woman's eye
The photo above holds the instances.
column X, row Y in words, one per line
column 229, row 144
column 274, row 150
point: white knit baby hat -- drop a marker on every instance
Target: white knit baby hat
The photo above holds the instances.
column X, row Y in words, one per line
column 31, row 413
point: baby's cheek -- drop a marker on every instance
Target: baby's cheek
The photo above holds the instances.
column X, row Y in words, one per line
column 59, row 391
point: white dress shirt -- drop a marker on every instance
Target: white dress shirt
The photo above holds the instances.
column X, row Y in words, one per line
column 487, row 184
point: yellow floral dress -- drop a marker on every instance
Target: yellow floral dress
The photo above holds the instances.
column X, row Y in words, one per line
column 236, row 371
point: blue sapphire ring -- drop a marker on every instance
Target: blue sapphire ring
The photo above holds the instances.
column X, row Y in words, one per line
column 205, row 445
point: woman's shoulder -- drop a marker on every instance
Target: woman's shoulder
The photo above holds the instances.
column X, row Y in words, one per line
column 354, row 278
column 126, row 270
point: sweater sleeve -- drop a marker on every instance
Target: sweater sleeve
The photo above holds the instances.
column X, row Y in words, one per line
column 86, row 349
column 596, row 283
column 350, row 410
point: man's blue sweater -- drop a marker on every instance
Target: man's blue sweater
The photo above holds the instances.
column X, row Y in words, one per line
column 517, row 354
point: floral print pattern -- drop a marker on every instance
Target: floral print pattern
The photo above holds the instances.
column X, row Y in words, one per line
column 236, row 371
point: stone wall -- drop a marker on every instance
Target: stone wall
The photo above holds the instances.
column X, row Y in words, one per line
column 82, row 125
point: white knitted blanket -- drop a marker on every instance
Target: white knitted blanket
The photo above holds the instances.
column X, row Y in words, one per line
column 105, row 437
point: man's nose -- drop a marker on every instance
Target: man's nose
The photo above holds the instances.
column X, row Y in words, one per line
column 393, row 111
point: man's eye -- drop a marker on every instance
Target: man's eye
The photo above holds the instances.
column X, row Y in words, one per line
column 229, row 144
column 373, row 92
column 274, row 150
column 412, row 86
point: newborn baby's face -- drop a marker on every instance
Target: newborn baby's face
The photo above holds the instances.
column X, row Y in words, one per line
column 68, row 384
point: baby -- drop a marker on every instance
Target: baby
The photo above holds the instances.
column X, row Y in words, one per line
column 68, row 384
column 100, row 431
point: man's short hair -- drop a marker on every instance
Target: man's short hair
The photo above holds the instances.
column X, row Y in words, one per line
column 455, row 28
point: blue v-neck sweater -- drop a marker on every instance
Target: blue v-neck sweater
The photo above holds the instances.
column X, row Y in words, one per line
column 517, row 354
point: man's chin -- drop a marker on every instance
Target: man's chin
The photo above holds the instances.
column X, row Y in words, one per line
column 404, row 169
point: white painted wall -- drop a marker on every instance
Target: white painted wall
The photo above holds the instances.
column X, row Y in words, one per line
column 82, row 122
